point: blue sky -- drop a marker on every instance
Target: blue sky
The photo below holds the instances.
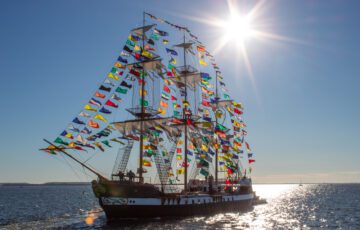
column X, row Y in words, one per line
column 302, row 106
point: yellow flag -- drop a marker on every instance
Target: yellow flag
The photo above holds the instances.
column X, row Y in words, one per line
column 202, row 62
column 147, row 54
column 206, row 125
column 204, row 147
column 237, row 105
column 88, row 107
column 137, row 48
column 168, row 82
column 119, row 65
column 162, row 111
column 146, row 147
column 131, row 38
column 145, row 92
column 99, row 117
column 180, row 171
column 146, row 163
column 113, row 76
column 110, row 127
column 180, row 142
column 218, row 114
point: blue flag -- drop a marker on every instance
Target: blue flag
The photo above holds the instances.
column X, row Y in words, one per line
column 103, row 110
column 172, row 52
column 77, row 121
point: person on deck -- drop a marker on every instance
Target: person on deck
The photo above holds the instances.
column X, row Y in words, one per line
column 131, row 175
column 121, row 175
column 211, row 181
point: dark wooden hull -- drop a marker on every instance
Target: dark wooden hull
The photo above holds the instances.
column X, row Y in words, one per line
column 153, row 211
column 121, row 200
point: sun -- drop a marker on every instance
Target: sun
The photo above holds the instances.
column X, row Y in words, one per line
column 237, row 29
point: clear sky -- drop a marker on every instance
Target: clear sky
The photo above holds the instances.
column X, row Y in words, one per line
column 302, row 100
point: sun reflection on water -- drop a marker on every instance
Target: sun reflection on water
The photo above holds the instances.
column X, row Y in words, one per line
column 274, row 190
column 272, row 215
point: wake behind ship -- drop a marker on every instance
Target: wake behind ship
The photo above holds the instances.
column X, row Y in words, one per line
column 181, row 137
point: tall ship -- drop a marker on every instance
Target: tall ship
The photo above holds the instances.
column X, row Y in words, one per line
column 179, row 136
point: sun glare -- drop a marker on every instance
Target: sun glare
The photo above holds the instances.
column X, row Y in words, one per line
column 238, row 28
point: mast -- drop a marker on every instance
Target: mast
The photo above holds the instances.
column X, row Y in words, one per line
column 185, row 119
column 216, row 122
column 82, row 164
column 142, row 107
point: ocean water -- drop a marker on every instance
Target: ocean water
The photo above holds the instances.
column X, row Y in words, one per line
column 311, row 206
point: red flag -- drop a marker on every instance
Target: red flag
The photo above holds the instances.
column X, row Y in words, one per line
column 110, row 103
column 251, row 161
column 201, row 48
column 79, row 148
column 175, row 120
column 166, row 89
column 137, row 56
column 169, row 74
column 178, row 150
column 188, row 121
column 205, row 103
column 173, row 98
column 237, row 111
column 230, row 171
column 225, row 147
column 220, row 133
column 134, row 72
column 247, row 146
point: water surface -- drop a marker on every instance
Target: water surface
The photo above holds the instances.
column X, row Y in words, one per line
column 312, row 206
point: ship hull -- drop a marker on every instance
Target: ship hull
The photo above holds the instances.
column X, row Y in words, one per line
column 119, row 208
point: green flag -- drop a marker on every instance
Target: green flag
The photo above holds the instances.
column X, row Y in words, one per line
column 144, row 103
column 204, row 172
column 221, row 127
column 121, row 90
column 130, row 43
column 113, row 70
column 170, row 66
column 155, row 37
column 204, row 163
column 106, row 142
column 60, row 141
